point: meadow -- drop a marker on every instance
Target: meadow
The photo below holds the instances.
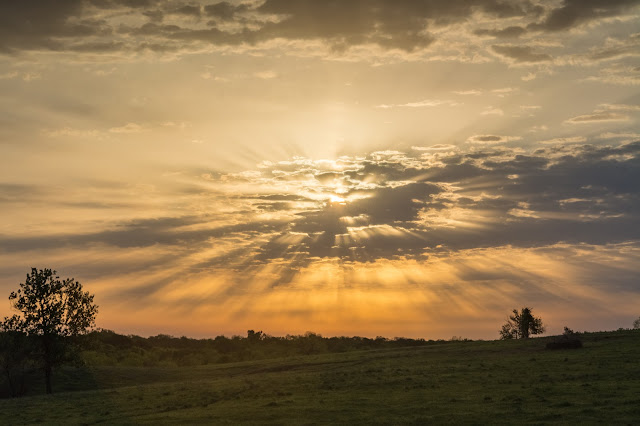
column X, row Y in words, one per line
column 461, row 382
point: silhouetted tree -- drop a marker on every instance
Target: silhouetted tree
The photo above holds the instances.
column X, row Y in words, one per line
column 521, row 325
column 254, row 336
column 636, row 324
column 51, row 312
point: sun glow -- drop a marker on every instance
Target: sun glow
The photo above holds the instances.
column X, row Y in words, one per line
column 337, row 200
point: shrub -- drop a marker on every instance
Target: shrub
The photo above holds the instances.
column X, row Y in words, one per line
column 568, row 340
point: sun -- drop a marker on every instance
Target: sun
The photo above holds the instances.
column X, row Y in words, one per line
column 336, row 199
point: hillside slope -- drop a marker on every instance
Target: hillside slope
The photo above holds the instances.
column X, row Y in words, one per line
column 460, row 382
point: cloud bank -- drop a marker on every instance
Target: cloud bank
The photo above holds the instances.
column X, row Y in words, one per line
column 117, row 27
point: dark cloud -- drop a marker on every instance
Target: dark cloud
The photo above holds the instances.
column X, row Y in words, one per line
column 394, row 205
column 382, row 208
column 394, row 24
column 64, row 25
column 33, row 24
column 391, row 24
column 570, row 14
column 489, row 139
column 113, row 4
column 150, row 28
column 583, row 194
column 97, row 47
column 224, row 10
column 169, row 231
column 189, row 10
column 521, row 54
column 407, row 25
column 154, row 15
column 12, row 192
column 573, row 13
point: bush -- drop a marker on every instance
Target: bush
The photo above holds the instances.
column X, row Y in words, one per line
column 568, row 340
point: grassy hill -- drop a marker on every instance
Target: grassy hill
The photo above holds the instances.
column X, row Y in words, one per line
column 458, row 382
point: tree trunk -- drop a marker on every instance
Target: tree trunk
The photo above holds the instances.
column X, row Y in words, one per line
column 12, row 387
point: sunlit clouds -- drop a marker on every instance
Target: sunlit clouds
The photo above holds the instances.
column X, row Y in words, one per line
column 390, row 238
column 398, row 168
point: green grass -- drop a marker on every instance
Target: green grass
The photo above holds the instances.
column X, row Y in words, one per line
column 501, row 382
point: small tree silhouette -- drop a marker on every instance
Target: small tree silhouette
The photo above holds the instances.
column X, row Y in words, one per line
column 50, row 312
column 521, row 325
column 636, row 324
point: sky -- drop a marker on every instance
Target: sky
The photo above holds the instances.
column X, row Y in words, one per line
column 411, row 168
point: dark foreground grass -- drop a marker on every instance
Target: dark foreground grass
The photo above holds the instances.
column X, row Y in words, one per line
column 501, row 382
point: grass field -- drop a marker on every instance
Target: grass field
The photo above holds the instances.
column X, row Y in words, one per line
column 497, row 382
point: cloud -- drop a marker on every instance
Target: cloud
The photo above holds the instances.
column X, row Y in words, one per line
column 606, row 112
column 597, row 117
column 8, row 75
column 492, row 111
column 164, row 231
column 17, row 192
column 509, row 32
column 613, row 135
column 422, row 210
column 570, row 139
column 436, row 147
column 523, row 211
column 473, row 92
column 520, row 54
column 266, row 75
column 420, row 104
column 69, row 131
column 355, row 30
column 388, row 206
column 224, row 10
column 128, row 128
column 490, row 139
column 620, row 107
column 30, row 24
column 538, row 128
column 529, row 76
column 504, row 91
column 388, row 24
column 154, row 15
column 615, row 48
column 574, row 13
column 385, row 23
column 618, row 74
column 189, row 10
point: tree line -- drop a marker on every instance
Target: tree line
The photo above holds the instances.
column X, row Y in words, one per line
column 55, row 322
